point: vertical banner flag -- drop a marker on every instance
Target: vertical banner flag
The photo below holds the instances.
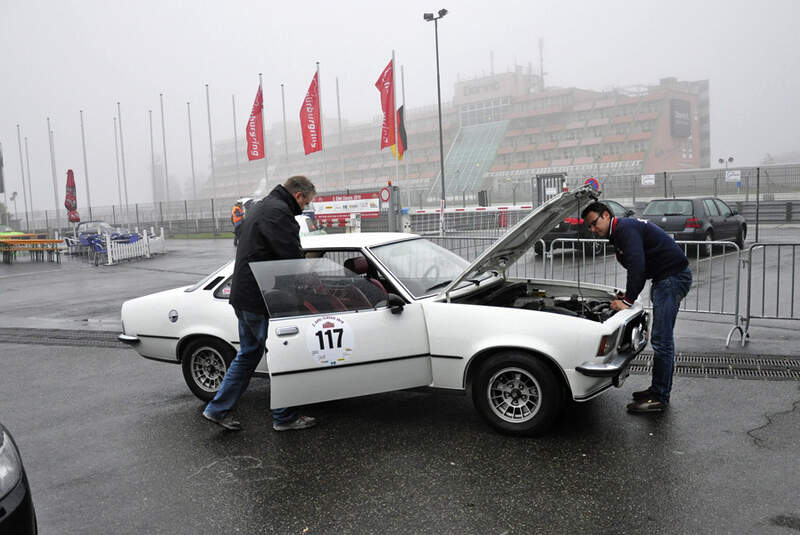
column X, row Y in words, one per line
column 255, row 129
column 310, row 119
column 402, row 145
column 385, row 85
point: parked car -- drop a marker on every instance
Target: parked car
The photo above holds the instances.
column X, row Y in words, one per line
column 572, row 227
column 17, row 514
column 698, row 219
column 365, row 313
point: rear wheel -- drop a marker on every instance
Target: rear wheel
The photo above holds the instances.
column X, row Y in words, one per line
column 204, row 362
column 740, row 237
column 707, row 249
column 517, row 394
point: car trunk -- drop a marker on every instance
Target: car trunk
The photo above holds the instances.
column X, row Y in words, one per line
column 672, row 215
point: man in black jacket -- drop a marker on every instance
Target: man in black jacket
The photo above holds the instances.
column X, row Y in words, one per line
column 647, row 252
column 269, row 232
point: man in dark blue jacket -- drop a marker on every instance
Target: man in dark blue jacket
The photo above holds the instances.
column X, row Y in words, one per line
column 647, row 252
column 269, row 232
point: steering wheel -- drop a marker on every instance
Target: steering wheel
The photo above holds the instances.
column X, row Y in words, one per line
column 432, row 272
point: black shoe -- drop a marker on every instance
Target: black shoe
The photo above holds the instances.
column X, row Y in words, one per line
column 227, row 422
column 647, row 405
column 647, row 393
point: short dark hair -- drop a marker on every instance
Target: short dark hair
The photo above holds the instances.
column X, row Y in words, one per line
column 596, row 207
column 297, row 183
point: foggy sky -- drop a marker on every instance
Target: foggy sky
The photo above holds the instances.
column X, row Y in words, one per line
column 59, row 57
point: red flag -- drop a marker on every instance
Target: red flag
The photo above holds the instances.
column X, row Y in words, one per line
column 310, row 123
column 71, row 200
column 385, row 85
column 255, row 129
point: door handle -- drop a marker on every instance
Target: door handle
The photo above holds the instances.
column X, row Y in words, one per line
column 287, row 331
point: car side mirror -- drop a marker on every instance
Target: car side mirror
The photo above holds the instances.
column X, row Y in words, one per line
column 395, row 303
column 734, row 211
column 629, row 213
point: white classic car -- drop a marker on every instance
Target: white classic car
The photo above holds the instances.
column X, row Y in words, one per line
column 365, row 313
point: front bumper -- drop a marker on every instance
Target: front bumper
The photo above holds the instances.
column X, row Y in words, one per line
column 128, row 339
column 634, row 337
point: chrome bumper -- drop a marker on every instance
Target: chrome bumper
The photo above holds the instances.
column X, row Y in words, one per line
column 635, row 337
column 128, row 339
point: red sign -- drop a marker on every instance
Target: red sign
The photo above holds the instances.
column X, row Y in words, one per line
column 310, row 122
column 385, row 85
column 386, row 194
column 255, row 129
column 341, row 206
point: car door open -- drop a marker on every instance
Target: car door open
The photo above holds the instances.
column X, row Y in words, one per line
column 332, row 334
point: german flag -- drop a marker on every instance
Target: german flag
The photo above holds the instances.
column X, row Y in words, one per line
column 402, row 142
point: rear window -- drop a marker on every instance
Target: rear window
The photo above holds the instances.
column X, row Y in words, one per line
column 669, row 207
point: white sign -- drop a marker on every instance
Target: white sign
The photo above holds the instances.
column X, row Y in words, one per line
column 648, row 180
column 733, row 176
column 550, row 191
column 329, row 340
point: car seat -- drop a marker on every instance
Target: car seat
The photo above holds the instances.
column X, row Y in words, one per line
column 360, row 266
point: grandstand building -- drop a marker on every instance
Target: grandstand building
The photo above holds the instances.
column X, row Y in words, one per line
column 500, row 128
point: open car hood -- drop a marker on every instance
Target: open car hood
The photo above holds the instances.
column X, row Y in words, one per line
column 521, row 237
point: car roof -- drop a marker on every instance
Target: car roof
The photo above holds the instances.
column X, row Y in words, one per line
column 354, row 240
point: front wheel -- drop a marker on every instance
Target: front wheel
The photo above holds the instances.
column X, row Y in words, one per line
column 740, row 237
column 517, row 394
column 204, row 362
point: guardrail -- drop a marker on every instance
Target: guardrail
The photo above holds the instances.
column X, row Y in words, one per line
column 772, row 270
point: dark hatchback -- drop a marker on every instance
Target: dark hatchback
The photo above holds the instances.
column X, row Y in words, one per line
column 697, row 219
column 17, row 514
column 573, row 228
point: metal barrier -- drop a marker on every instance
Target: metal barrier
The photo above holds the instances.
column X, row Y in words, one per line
column 145, row 247
column 772, row 272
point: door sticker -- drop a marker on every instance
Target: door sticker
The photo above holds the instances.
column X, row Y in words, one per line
column 330, row 340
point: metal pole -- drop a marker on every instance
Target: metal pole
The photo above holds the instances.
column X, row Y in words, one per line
column 116, row 155
column 86, row 169
column 122, row 155
column 285, row 136
column 152, row 157
column 5, row 197
column 341, row 134
column 394, row 113
column 665, row 185
column 758, row 199
column 28, row 165
column 403, row 86
column 164, row 144
column 211, row 147
column 441, row 137
column 236, row 145
column 321, row 130
column 22, row 172
column 264, row 130
column 53, row 168
column 191, row 151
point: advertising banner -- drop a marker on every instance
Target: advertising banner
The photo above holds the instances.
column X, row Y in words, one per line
column 255, row 129
column 341, row 206
column 310, row 118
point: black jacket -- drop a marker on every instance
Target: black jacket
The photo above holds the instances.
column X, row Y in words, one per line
column 646, row 252
column 269, row 232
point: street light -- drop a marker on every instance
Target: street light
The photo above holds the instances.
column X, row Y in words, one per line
column 726, row 162
column 431, row 17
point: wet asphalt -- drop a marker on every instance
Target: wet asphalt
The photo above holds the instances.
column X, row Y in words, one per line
column 114, row 443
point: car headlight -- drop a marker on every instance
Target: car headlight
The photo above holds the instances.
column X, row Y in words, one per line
column 10, row 465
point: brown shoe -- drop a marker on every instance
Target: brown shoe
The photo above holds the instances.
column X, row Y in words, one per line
column 647, row 393
column 647, row 405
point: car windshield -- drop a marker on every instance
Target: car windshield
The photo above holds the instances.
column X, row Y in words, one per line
column 421, row 266
column 668, row 207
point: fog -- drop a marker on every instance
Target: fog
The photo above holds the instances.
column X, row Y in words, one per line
column 59, row 57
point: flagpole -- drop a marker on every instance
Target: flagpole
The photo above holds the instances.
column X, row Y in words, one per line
column 122, row 159
column 85, row 168
column 341, row 135
column 22, row 172
column 394, row 112
column 403, row 86
column 264, row 131
column 236, row 146
column 211, row 147
column 53, row 168
column 164, row 144
column 5, row 193
column 321, row 130
column 28, row 165
column 152, row 157
column 191, row 151
column 116, row 155
column 285, row 136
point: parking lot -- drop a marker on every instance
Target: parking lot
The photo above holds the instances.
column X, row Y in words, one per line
column 114, row 443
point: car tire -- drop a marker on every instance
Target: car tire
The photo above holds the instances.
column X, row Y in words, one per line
column 708, row 249
column 517, row 394
column 594, row 248
column 204, row 362
column 740, row 237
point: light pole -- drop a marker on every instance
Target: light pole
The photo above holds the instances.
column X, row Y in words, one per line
column 726, row 162
column 431, row 17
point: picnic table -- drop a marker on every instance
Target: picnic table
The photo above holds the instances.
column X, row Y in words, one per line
column 40, row 249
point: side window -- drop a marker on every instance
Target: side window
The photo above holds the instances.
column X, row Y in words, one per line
column 224, row 290
column 711, row 208
column 723, row 208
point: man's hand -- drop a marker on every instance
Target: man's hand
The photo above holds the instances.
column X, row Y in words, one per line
column 618, row 304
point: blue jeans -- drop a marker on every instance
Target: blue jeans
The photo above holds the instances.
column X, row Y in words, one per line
column 252, row 346
column 666, row 295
